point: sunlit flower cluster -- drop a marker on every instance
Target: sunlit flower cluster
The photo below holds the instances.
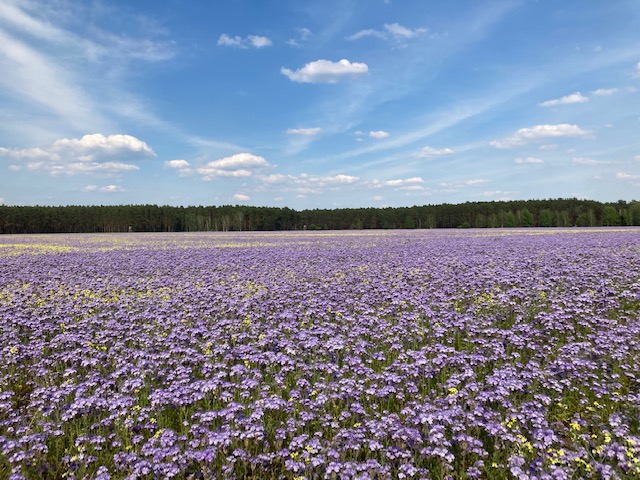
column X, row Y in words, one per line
column 412, row 354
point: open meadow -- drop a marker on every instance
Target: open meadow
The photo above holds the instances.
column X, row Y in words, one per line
column 311, row 355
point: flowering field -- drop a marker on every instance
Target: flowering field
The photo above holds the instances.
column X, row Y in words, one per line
column 413, row 354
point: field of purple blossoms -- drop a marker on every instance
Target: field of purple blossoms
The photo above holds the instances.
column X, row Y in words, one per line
column 370, row 355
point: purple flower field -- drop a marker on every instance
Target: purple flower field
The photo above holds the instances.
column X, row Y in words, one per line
column 369, row 355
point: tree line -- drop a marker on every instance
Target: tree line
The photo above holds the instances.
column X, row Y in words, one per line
column 153, row 218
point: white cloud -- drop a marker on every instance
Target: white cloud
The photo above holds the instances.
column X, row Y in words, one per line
column 326, row 71
column 627, row 176
column 259, row 42
column 390, row 31
column 255, row 41
column 403, row 183
column 463, row 183
column 97, row 145
column 62, row 79
column 309, row 132
column 503, row 195
column 576, row 97
column 528, row 160
column 308, row 184
column 398, row 31
column 637, row 74
column 367, row 33
column 227, row 41
column 637, row 158
column 604, row 92
column 112, row 189
column 176, row 164
column 426, row 152
column 239, row 160
column 539, row 132
column 238, row 165
column 587, row 161
column 303, row 35
column 241, row 197
column 95, row 153
column 105, row 189
column 475, row 181
column 379, row 134
column 40, row 81
column 1, row 201
column 548, row 146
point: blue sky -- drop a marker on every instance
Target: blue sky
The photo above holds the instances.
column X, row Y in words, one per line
column 318, row 104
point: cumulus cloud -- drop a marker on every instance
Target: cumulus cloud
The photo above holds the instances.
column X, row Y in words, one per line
column 379, row 134
column 238, row 165
column 259, row 42
column 390, row 31
column 539, row 132
column 227, row 41
column 241, row 197
column 176, row 164
column 326, row 71
column 528, row 160
column 95, row 153
column 604, row 92
column 96, row 145
column 576, row 97
column 309, row 132
column 426, row 152
column 255, row 41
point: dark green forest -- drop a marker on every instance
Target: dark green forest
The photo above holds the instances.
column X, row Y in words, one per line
column 153, row 218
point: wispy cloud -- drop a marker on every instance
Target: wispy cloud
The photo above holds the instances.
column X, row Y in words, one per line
column 464, row 183
column 539, row 132
column 604, row 92
column 390, row 31
column 64, row 73
column 528, row 160
column 427, row 152
column 584, row 161
column 308, row 132
column 307, row 184
column 303, row 35
column 326, row 71
column 576, row 97
column 105, row 189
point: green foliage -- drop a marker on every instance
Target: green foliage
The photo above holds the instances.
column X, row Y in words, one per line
column 153, row 218
column 526, row 218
